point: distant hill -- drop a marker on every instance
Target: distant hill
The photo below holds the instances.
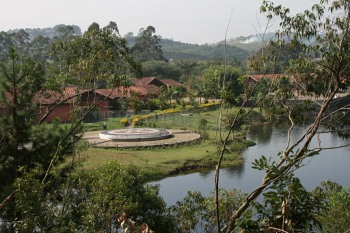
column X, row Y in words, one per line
column 185, row 51
column 178, row 50
column 238, row 48
column 251, row 43
column 50, row 32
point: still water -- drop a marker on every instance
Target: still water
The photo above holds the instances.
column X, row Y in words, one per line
column 331, row 165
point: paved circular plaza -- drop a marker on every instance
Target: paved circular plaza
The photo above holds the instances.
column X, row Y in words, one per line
column 140, row 138
column 135, row 134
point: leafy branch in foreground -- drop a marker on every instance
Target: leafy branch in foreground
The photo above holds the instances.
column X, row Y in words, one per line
column 32, row 149
column 322, row 64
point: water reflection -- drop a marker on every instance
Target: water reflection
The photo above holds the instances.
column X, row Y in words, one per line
column 205, row 173
column 261, row 134
column 236, row 171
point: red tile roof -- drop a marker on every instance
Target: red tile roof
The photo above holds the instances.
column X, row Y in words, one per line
column 150, row 85
column 142, row 87
column 50, row 97
column 145, row 90
column 143, row 81
column 258, row 77
column 113, row 93
column 170, row 82
column 69, row 94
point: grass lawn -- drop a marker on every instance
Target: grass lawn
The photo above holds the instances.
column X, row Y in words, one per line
column 162, row 162
column 158, row 162
column 180, row 120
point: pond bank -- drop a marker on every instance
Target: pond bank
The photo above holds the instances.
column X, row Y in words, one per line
column 270, row 139
column 159, row 163
column 164, row 161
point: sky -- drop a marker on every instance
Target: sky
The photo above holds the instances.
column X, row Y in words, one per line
column 189, row 21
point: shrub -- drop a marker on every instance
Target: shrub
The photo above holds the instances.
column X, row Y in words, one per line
column 183, row 103
column 137, row 121
column 124, row 121
column 209, row 106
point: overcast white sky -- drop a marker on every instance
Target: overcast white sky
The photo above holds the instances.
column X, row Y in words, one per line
column 191, row 21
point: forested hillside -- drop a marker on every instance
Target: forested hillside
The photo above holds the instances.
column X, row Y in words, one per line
column 175, row 50
column 50, row 32
column 251, row 43
column 185, row 51
column 178, row 50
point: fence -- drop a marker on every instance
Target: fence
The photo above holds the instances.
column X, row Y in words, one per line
column 95, row 116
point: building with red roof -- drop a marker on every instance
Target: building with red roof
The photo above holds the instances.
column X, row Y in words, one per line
column 61, row 104
column 171, row 82
column 255, row 78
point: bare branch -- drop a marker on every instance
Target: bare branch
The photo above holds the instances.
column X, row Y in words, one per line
column 270, row 176
column 5, row 202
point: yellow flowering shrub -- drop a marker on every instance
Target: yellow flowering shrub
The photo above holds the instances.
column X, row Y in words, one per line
column 124, row 121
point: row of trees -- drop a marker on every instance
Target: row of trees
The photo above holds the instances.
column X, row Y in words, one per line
column 147, row 50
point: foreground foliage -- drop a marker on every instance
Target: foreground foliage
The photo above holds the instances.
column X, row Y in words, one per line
column 321, row 70
column 29, row 148
column 335, row 215
column 88, row 202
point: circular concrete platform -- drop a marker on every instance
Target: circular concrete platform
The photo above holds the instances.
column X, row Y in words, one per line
column 135, row 134
column 178, row 137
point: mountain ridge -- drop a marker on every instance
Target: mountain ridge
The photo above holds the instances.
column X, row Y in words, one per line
column 238, row 48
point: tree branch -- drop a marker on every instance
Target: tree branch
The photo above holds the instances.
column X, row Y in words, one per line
column 5, row 202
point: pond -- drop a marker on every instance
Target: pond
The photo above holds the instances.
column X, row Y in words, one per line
column 328, row 165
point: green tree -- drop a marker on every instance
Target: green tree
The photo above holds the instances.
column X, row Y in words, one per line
column 21, row 40
column 167, row 93
column 89, row 201
column 39, row 49
column 97, row 59
column 160, row 69
column 222, row 82
column 154, row 104
column 114, row 189
column 136, row 103
column 197, row 213
column 274, row 58
column 65, row 32
column 147, row 46
column 287, row 206
column 335, row 215
column 203, row 128
column 28, row 145
column 5, row 45
column 189, row 212
column 25, row 145
column 19, row 82
column 187, row 68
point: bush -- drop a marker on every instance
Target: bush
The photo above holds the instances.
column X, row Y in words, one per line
column 124, row 121
column 203, row 128
column 153, row 104
column 137, row 121
column 210, row 106
column 183, row 103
